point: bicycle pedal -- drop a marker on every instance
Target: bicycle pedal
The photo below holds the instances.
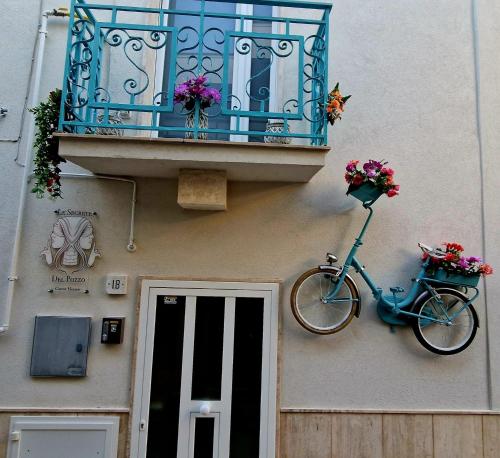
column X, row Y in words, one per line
column 397, row 289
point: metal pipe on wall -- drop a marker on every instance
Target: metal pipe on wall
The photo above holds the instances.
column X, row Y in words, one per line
column 13, row 276
column 131, row 246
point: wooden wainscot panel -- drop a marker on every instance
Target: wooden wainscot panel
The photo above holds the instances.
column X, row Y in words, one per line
column 408, row 436
column 458, row 436
column 357, row 436
column 306, row 435
column 385, row 434
column 491, row 436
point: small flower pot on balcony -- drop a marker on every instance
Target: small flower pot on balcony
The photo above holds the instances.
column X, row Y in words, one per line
column 114, row 119
column 277, row 127
column 203, row 124
column 367, row 192
column 457, row 279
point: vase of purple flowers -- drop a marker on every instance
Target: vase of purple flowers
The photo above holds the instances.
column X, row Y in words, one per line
column 202, row 124
column 196, row 96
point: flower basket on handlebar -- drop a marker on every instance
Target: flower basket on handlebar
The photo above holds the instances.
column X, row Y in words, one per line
column 367, row 192
column 456, row 279
column 369, row 181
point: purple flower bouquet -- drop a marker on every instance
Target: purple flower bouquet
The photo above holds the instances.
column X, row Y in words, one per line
column 196, row 89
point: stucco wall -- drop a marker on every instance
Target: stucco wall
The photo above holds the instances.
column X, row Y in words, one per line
column 487, row 14
column 411, row 70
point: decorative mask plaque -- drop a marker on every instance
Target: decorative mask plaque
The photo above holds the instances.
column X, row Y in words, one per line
column 71, row 251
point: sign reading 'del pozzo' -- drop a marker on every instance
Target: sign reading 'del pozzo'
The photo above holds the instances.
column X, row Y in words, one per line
column 71, row 251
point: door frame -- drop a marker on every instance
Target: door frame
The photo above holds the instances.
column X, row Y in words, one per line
column 142, row 371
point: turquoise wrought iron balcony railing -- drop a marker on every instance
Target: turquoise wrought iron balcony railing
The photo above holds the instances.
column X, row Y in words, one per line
column 268, row 59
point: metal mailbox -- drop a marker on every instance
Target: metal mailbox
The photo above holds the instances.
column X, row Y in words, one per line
column 60, row 346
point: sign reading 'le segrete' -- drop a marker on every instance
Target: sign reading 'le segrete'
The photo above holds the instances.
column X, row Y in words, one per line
column 70, row 251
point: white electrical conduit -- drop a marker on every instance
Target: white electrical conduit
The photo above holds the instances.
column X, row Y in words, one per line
column 13, row 276
column 42, row 35
column 131, row 244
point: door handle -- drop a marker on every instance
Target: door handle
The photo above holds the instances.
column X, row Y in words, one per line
column 205, row 409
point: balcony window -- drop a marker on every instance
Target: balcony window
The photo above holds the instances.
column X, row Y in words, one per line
column 252, row 66
column 267, row 57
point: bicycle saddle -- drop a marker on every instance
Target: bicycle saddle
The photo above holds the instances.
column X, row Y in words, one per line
column 397, row 289
column 331, row 258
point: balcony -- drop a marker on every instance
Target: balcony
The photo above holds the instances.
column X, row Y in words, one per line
column 267, row 58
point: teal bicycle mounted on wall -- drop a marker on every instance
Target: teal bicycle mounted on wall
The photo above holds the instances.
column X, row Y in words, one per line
column 325, row 299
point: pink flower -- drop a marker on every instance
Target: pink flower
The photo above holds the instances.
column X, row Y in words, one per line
column 351, row 165
column 371, row 168
column 371, row 164
column 486, row 269
column 387, row 171
column 181, row 92
column 210, row 93
column 200, row 80
column 196, row 89
column 463, row 263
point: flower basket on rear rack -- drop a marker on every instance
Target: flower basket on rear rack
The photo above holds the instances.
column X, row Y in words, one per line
column 449, row 266
column 456, row 279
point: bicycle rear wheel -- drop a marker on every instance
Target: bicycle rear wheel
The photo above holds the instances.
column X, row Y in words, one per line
column 445, row 338
column 317, row 313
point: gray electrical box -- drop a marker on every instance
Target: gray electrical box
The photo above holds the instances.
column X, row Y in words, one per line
column 60, row 346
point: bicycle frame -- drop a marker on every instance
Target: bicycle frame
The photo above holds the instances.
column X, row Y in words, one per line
column 393, row 305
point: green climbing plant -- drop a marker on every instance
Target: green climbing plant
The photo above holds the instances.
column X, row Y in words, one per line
column 46, row 145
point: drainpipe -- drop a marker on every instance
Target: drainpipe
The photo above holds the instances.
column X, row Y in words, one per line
column 13, row 276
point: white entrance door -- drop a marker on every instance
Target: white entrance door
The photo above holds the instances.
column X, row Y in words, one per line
column 206, row 370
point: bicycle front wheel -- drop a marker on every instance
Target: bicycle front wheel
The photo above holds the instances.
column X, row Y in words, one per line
column 458, row 322
column 315, row 310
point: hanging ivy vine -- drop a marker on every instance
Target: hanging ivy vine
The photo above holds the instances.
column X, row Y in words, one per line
column 47, row 159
